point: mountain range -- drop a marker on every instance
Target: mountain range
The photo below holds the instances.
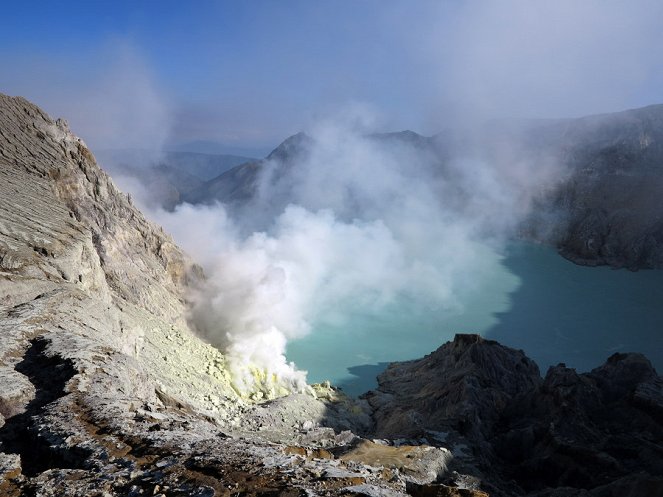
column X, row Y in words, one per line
column 604, row 209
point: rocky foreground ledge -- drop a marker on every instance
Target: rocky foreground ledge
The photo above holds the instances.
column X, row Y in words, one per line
column 105, row 390
column 598, row 433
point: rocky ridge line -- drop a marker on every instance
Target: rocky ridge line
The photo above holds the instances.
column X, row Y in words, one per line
column 567, row 434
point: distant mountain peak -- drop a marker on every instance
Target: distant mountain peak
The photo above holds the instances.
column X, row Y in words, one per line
column 292, row 145
column 406, row 136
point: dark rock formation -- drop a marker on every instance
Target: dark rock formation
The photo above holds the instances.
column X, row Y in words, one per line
column 608, row 209
column 583, row 434
column 466, row 382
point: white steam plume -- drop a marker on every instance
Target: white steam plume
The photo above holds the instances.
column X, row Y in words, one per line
column 351, row 224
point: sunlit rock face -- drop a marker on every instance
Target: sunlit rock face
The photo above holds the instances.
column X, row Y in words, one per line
column 79, row 257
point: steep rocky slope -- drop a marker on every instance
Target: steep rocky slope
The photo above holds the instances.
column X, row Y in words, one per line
column 104, row 388
column 607, row 209
column 92, row 303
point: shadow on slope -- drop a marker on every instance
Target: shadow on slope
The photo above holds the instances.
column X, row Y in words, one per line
column 22, row 433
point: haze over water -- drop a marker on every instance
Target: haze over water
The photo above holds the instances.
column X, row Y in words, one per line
column 529, row 298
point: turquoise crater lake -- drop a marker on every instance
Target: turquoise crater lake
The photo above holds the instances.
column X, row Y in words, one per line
column 528, row 298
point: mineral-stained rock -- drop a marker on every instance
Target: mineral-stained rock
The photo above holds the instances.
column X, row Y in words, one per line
column 419, row 464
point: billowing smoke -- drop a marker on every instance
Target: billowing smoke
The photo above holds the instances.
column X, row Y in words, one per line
column 344, row 221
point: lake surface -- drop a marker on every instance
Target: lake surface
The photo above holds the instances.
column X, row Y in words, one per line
column 529, row 298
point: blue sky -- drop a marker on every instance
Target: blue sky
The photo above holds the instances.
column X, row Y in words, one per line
column 250, row 73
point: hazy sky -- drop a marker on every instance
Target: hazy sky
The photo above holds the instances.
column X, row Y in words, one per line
column 250, row 73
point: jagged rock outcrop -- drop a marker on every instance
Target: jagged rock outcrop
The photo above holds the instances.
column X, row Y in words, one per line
column 466, row 382
column 591, row 434
column 586, row 430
